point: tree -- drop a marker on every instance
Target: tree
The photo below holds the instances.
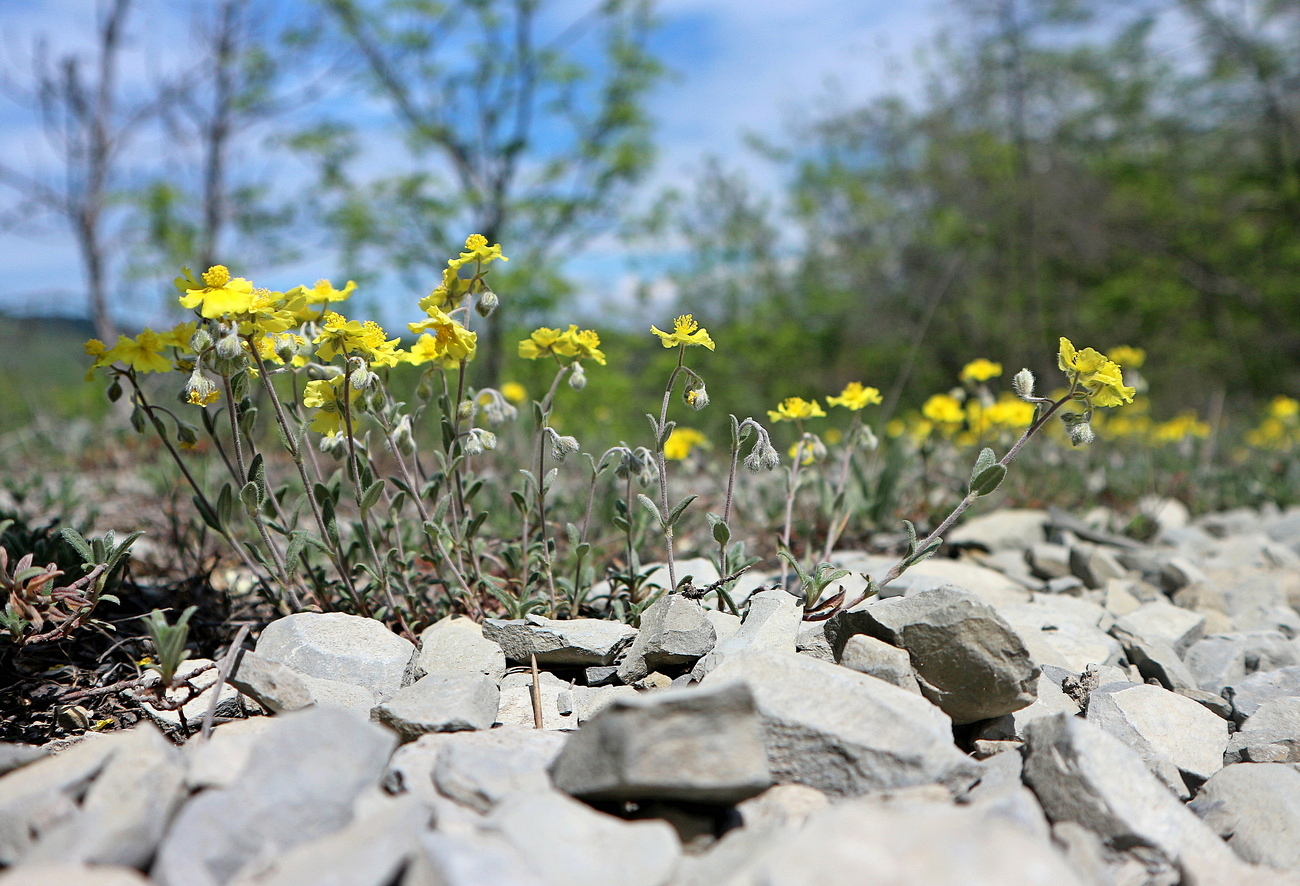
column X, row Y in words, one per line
column 80, row 108
column 521, row 122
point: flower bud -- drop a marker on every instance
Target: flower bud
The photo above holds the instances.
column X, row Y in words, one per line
column 403, row 437
column 186, row 435
column 561, row 445
column 487, row 302
column 577, row 377
column 362, row 378
column 478, row 440
column 465, row 410
column 1023, row 384
column 200, row 341
column 230, row 347
column 696, row 397
column 1081, row 433
column 200, row 390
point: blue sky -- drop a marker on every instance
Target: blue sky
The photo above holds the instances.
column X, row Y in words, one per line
column 738, row 66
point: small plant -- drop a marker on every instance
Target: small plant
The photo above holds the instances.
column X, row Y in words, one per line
column 168, row 642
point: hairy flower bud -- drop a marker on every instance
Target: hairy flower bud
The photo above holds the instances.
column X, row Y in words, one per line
column 1081, row 433
column 465, row 410
column 230, row 347
column 199, row 390
column 362, row 378
column 487, row 302
column 696, row 396
column 577, row 377
column 477, row 440
column 200, row 341
column 403, row 437
column 1023, row 384
column 561, row 445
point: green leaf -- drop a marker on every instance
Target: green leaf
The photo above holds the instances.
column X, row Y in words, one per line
column 370, row 497
column 257, row 475
column 681, row 506
column 226, row 504
column 911, row 537
column 249, row 496
column 650, row 506
column 74, row 538
column 989, row 479
column 721, row 533
column 297, row 541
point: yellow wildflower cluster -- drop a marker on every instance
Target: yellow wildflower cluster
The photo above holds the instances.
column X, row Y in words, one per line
column 145, row 352
column 453, row 288
column 796, row 409
column 1136, row 424
column 685, row 332
column 681, row 441
column 1100, row 380
column 323, row 396
column 1279, row 430
column 980, row 370
column 574, row 343
column 855, row 397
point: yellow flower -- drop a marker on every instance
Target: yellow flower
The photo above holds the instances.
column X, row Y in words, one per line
column 943, row 409
column 323, row 396
column 514, row 392
column 477, row 250
column 452, row 341
column 1101, row 379
column 1124, row 355
column 585, row 343
column 545, row 342
column 324, row 292
column 1284, row 408
column 1010, row 412
column 685, row 332
column 143, row 353
column 855, row 396
column 179, row 336
column 221, row 294
column 980, row 370
column 796, row 409
column 681, row 441
column 103, row 355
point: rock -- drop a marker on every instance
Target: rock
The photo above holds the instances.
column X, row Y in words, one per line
column 343, row 648
column 300, row 782
column 724, row 624
column 58, row 873
column 1267, row 651
column 602, row 675
column 811, row 640
column 1165, row 622
column 1051, row 700
column 269, row 683
column 194, row 710
column 15, row 756
column 842, row 732
column 473, row 858
column 989, row 585
column 584, row 702
column 1216, row 661
column 372, row 850
column 1215, row 704
column 577, row 641
column 216, row 762
column 782, row 806
column 1250, row 693
column 1049, row 560
column 1082, row 773
column 1270, row 735
column 1095, row 565
column 121, row 818
column 441, row 703
column 674, row 631
column 1011, row 563
column 968, row 660
column 516, row 704
column 456, row 645
column 906, row 843
column 1156, row 660
column 1256, row 808
column 1003, row 529
column 45, row 793
column 1064, row 628
column 1179, row 740
column 654, row 680
column 1169, row 514
column 697, row 745
column 554, row 835
column 867, row 655
column 480, row 769
column 772, row 625
column 336, row 694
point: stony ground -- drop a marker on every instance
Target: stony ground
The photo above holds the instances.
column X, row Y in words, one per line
column 1058, row 705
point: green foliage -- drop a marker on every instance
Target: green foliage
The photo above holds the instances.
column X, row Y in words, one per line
column 168, row 642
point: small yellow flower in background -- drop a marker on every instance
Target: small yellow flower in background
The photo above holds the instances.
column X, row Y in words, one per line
column 179, row 336
column 1102, row 379
column 1010, row 412
column 545, row 342
column 323, row 292
column 323, row 396
column 586, row 344
column 685, row 332
column 143, row 353
column 855, row 397
column 103, row 355
column 796, row 409
column 1283, row 408
column 514, row 392
column 980, row 370
column 1133, row 358
column 943, row 409
column 681, row 441
column 221, row 294
column 1181, row 427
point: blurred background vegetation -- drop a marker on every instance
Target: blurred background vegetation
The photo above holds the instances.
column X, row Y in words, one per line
column 1060, row 173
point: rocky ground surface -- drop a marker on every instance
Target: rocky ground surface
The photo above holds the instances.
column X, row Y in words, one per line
column 1058, row 705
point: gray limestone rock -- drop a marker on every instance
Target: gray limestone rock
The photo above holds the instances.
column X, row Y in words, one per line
column 1164, row 621
column 584, row 702
column 1155, row 660
column 674, row 631
column 968, row 660
column 811, row 640
column 772, row 624
column 1250, row 693
column 1064, row 631
column 474, row 858
column 1095, row 565
column 782, row 805
column 441, row 703
column 15, row 756
column 455, row 645
column 1178, row 738
column 272, row 685
column 1081, row 773
column 554, row 835
column 121, row 818
column 1270, row 735
column 1048, row 560
column 516, row 705
column 337, row 694
column 697, row 745
column 867, row 655
column 41, row 795
column 57, row 873
column 1256, row 808
column 1216, row 661
column 1011, row 727
column 343, row 648
column 480, row 769
column 372, row 850
column 216, row 763
column 1003, row 529
column 194, row 710
column 577, row 641
column 845, row 733
column 300, row 782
